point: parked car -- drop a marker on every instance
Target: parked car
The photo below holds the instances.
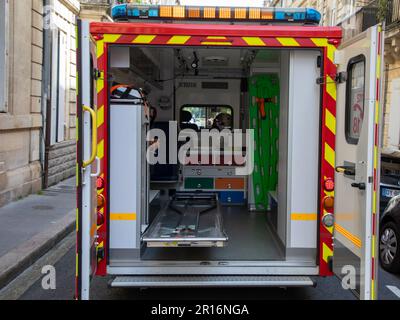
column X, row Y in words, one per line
column 389, row 242
column 389, row 188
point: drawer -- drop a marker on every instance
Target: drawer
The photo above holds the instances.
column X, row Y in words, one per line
column 199, row 183
column 231, row 197
column 229, row 183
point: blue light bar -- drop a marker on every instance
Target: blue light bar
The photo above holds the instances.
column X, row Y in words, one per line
column 266, row 15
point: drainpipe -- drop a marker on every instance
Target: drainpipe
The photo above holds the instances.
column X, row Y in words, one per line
column 46, row 90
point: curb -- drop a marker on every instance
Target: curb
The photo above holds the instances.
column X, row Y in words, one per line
column 17, row 260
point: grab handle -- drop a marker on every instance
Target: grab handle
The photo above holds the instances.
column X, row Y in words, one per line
column 94, row 136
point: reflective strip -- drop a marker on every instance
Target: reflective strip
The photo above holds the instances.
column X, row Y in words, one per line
column 100, row 149
column 209, row 43
column 123, row 216
column 100, row 116
column 288, row 42
column 144, row 39
column 348, row 235
column 108, row 38
column 331, row 87
column 330, row 121
column 323, row 42
column 304, row 216
column 254, row 41
column 178, row 40
column 329, row 155
column 326, row 252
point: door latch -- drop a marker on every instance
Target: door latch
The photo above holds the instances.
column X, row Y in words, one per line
column 347, row 170
column 359, row 185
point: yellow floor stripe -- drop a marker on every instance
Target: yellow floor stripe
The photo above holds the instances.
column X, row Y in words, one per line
column 348, row 235
column 330, row 121
column 179, row 39
column 329, row 155
column 288, row 42
column 123, row 216
column 144, row 39
column 304, row 216
column 326, row 252
column 254, row 41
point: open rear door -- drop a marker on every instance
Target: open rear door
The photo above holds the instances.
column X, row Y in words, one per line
column 87, row 162
column 357, row 162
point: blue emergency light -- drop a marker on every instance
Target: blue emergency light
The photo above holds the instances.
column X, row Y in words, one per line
column 129, row 11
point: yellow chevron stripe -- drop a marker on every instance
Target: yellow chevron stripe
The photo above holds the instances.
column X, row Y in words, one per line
column 331, row 87
column 179, row 39
column 254, row 41
column 144, row 39
column 108, row 38
column 330, row 121
column 100, row 149
column 216, row 38
column 100, row 85
column 326, row 252
column 100, row 116
column 288, row 42
column 348, row 235
column 321, row 42
column 329, row 155
column 209, row 43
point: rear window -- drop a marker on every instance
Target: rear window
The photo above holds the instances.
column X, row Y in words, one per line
column 355, row 92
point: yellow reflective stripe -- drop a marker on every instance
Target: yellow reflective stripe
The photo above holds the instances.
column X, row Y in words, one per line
column 209, row 43
column 330, row 121
column 288, row 42
column 100, row 149
column 108, row 38
column 326, row 252
column 304, row 216
column 100, row 116
column 331, row 87
column 144, row 39
column 123, row 216
column 329, row 155
column 100, row 85
column 216, row 38
column 254, row 41
column 322, row 42
column 178, row 39
column 348, row 235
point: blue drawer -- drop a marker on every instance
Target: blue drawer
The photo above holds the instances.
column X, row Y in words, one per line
column 232, row 197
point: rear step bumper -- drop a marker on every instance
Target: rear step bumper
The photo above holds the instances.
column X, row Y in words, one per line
column 210, row 281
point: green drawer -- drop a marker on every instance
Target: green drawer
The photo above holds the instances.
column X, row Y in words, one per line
column 199, row 183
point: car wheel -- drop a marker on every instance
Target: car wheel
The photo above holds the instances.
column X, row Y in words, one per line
column 389, row 244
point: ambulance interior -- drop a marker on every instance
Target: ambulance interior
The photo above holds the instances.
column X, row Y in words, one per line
column 206, row 212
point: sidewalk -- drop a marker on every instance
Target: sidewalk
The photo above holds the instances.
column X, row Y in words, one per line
column 32, row 226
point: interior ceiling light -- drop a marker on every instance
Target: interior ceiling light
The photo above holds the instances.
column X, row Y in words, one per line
column 216, row 59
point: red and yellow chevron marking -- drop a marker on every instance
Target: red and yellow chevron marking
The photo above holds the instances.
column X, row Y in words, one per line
column 158, row 35
column 375, row 204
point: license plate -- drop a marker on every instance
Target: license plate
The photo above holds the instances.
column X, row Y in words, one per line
column 390, row 193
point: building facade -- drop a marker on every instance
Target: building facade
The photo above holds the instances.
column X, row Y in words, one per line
column 37, row 95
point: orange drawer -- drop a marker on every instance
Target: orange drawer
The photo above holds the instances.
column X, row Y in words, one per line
column 229, row 183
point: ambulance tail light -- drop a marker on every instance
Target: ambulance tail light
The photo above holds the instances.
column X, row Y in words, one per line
column 329, row 185
column 328, row 203
column 100, row 183
column 101, row 201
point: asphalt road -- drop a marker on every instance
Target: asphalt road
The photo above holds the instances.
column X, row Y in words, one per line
column 327, row 288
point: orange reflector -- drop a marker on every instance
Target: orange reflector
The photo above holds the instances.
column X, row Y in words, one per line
column 101, row 201
column 240, row 13
column 255, row 13
column 178, row 12
column 209, row 13
column 267, row 14
column 166, row 11
column 225, row 13
column 329, row 203
column 329, row 184
column 194, row 12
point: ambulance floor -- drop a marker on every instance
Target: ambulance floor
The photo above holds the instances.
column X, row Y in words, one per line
column 250, row 238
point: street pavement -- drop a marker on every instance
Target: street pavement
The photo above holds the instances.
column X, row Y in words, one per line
column 328, row 288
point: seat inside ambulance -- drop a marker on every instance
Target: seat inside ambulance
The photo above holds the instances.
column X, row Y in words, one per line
column 206, row 212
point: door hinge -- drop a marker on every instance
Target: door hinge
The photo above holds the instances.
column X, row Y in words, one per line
column 338, row 78
column 96, row 74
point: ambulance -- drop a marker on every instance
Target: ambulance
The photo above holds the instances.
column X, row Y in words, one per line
column 297, row 199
